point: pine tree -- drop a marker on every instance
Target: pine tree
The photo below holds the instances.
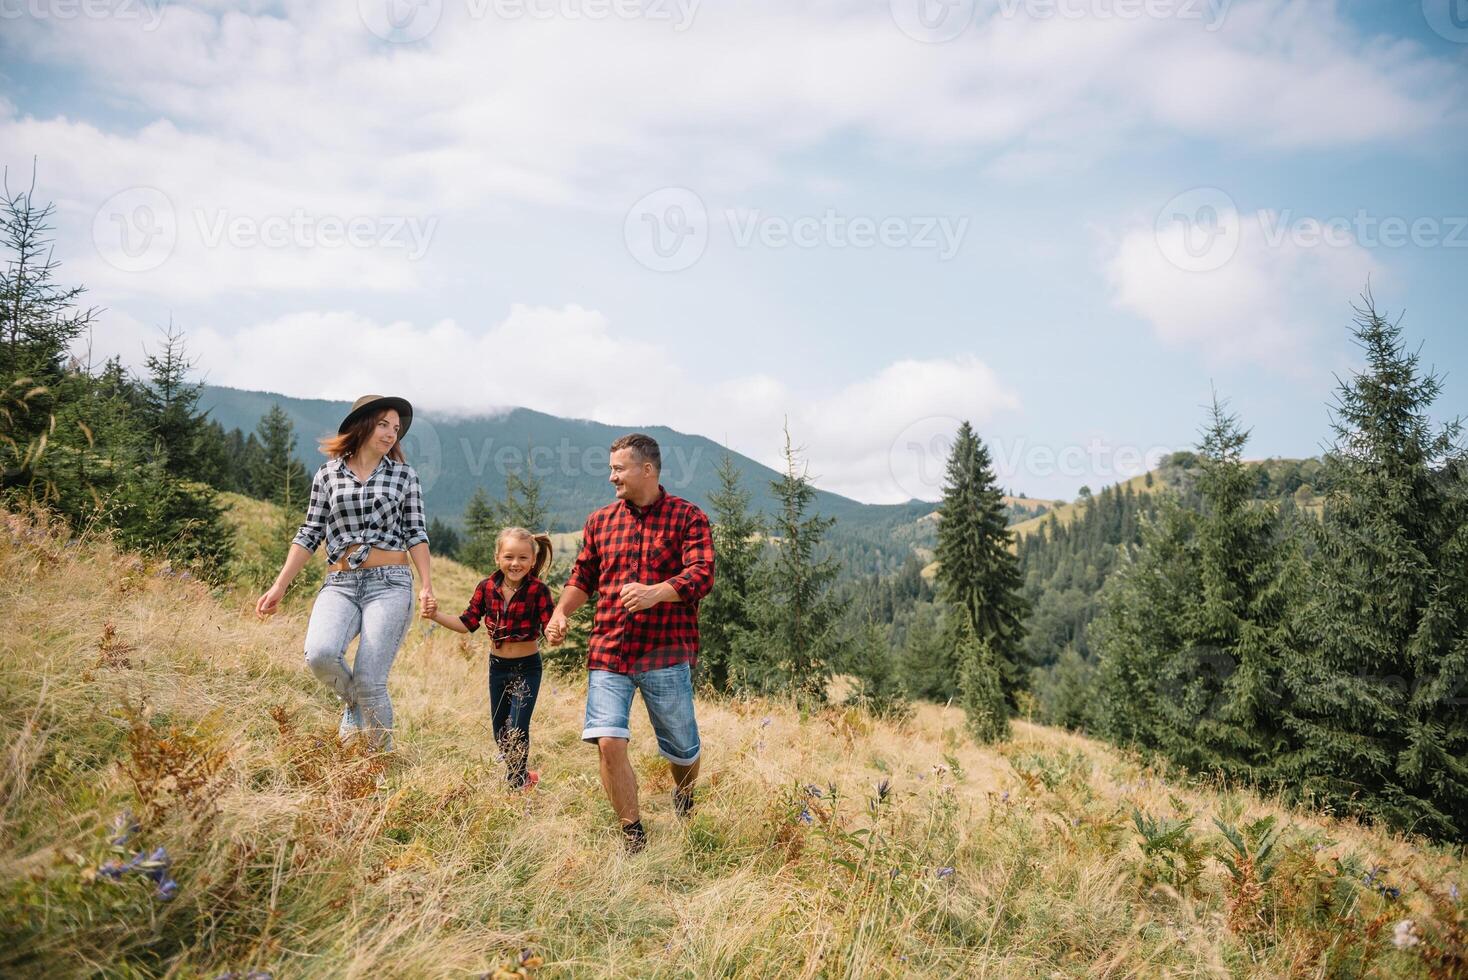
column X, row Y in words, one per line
column 481, row 525
column 1228, row 673
column 981, row 686
column 724, row 614
column 1375, row 687
column 877, row 683
column 1141, row 626
column 790, row 650
column 279, row 476
column 171, row 408
column 522, row 506
column 977, row 571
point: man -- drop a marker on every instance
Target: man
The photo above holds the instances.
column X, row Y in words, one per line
column 649, row 559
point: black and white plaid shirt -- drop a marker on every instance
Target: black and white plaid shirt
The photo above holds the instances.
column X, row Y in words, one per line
column 384, row 512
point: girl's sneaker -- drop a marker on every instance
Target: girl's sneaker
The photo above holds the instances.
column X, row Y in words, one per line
column 532, row 780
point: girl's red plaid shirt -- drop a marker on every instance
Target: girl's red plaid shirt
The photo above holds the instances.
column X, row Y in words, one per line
column 666, row 541
column 522, row 617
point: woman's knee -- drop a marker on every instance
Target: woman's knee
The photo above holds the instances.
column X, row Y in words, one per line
column 323, row 657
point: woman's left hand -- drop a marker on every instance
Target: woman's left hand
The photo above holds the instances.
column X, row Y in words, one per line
column 427, row 601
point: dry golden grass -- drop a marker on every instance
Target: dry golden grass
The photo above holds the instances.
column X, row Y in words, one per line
column 293, row 859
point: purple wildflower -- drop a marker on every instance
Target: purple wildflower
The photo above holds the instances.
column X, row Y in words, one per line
column 1453, row 892
column 1004, row 797
column 813, row 790
column 883, row 789
column 805, row 816
column 166, row 890
column 765, row 722
column 894, row 873
column 112, row 869
column 944, row 872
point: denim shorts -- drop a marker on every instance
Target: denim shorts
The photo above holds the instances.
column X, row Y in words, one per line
column 667, row 693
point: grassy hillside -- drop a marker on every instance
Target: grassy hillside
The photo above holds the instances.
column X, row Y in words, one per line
column 824, row 844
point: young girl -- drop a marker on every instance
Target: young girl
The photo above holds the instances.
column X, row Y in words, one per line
column 514, row 604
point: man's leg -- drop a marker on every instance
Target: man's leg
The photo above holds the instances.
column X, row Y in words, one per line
column 668, row 695
column 618, row 779
column 608, row 703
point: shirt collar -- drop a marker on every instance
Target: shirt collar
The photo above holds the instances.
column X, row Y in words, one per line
column 498, row 578
column 341, row 466
column 644, row 511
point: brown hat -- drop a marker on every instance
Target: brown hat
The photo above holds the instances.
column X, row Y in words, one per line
column 368, row 404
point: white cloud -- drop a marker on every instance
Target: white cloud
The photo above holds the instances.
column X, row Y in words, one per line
column 1270, row 303
column 569, row 362
column 257, row 114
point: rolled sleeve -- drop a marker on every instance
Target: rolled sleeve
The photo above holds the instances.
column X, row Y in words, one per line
column 474, row 612
column 697, row 578
column 318, row 509
column 587, row 568
column 415, row 530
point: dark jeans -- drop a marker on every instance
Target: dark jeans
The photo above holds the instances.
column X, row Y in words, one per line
column 514, row 683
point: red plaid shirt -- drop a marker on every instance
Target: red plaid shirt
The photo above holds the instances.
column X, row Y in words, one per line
column 667, row 541
column 522, row 617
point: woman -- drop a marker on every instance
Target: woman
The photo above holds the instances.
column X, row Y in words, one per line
column 366, row 502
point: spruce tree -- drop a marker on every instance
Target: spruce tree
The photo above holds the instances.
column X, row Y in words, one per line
column 724, row 614
column 1376, row 686
column 977, row 571
column 171, row 408
column 481, row 525
column 522, row 506
column 1229, row 715
column 279, row 476
column 981, row 689
column 791, row 647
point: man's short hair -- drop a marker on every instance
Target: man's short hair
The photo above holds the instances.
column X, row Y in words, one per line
column 644, row 447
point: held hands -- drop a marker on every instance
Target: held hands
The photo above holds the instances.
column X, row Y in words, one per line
column 428, row 605
column 555, row 629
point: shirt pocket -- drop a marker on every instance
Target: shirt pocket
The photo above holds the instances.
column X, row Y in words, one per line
column 386, row 505
column 665, row 558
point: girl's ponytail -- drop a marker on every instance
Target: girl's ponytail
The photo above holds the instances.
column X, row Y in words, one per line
column 543, row 552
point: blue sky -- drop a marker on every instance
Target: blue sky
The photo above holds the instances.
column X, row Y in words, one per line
column 1130, row 197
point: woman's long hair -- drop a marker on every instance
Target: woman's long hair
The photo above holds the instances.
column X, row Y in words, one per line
column 346, row 443
column 542, row 544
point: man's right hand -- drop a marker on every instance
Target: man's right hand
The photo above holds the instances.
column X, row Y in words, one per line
column 555, row 630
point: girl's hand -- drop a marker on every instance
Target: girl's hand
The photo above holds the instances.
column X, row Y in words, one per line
column 427, row 601
column 269, row 602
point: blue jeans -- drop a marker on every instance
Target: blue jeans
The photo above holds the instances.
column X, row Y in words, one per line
column 377, row 604
column 667, row 693
column 514, row 684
